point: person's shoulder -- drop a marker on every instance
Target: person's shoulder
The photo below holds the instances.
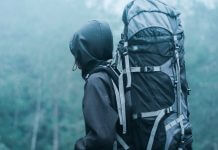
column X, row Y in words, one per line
column 97, row 77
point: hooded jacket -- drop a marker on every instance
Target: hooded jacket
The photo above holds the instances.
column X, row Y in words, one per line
column 92, row 45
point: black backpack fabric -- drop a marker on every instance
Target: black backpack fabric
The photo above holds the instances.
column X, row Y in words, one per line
column 152, row 81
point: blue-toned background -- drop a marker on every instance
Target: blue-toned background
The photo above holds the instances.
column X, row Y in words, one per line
column 40, row 97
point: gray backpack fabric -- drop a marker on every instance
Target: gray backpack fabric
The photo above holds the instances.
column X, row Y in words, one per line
column 152, row 84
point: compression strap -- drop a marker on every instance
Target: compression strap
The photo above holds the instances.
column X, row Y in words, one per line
column 127, row 65
column 174, row 122
column 145, row 69
column 154, row 129
column 122, row 142
column 159, row 114
column 179, row 89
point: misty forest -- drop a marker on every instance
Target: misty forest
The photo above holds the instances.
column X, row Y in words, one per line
column 40, row 95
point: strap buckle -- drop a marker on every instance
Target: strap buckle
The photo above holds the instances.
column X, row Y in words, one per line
column 169, row 110
column 189, row 91
column 182, row 144
column 137, row 116
column 126, row 44
column 125, row 53
column 148, row 69
column 176, row 43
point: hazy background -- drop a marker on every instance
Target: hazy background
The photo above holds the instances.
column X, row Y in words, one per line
column 40, row 97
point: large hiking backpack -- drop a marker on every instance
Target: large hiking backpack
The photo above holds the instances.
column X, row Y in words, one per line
column 152, row 81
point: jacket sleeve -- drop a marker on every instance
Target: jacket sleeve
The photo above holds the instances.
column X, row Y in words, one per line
column 100, row 117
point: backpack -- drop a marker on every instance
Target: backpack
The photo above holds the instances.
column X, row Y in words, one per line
column 152, row 84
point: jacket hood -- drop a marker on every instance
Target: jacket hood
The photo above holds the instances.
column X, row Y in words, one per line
column 92, row 45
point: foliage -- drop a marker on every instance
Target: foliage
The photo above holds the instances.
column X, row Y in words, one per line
column 37, row 85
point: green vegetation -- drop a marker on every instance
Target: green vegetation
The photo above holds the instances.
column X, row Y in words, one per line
column 40, row 97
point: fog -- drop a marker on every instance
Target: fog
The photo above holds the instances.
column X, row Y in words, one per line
column 40, row 96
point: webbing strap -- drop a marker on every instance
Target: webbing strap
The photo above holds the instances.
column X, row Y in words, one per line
column 178, row 82
column 115, row 145
column 145, row 69
column 179, row 89
column 182, row 127
column 128, row 72
column 122, row 142
column 174, row 122
column 146, row 114
column 154, row 129
column 135, row 48
column 151, row 114
column 160, row 114
column 122, row 99
column 119, row 108
column 166, row 68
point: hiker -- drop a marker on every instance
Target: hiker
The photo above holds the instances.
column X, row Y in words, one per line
column 92, row 47
column 144, row 89
column 150, row 59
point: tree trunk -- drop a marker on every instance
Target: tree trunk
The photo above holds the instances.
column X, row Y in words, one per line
column 55, row 126
column 37, row 117
column 36, row 125
column 15, row 117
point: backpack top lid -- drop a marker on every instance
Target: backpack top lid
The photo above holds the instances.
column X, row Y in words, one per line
column 142, row 14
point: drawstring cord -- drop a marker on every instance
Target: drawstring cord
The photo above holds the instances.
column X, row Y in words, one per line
column 74, row 68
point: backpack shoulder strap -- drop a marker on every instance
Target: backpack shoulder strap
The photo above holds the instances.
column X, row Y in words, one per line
column 112, row 72
column 114, row 75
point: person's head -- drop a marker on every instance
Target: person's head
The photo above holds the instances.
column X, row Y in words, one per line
column 92, row 45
